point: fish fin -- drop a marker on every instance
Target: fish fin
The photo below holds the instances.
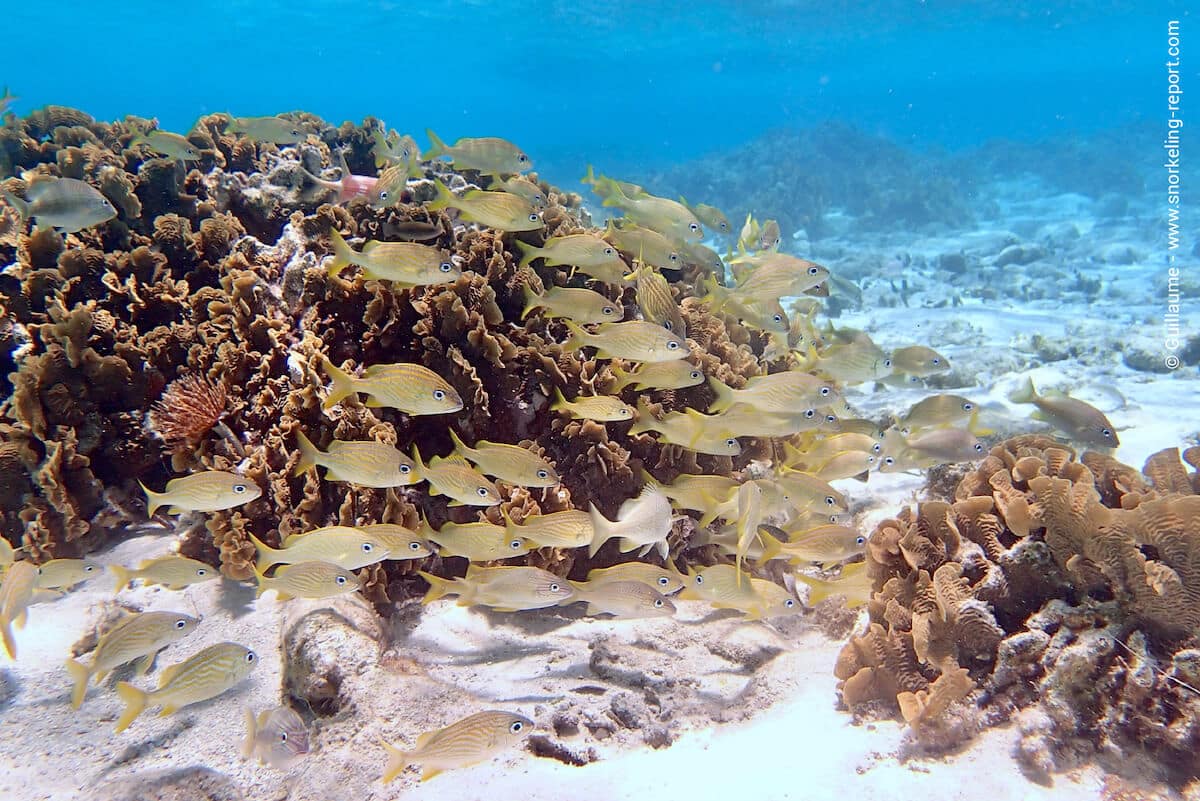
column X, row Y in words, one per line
column 20, row 204
column 343, row 255
column 1026, row 394
column 153, row 499
column 456, row 502
column 460, row 447
column 622, row 378
column 80, row 674
column 281, row 596
column 397, row 761
column 309, row 454
column 21, row 618
column 1040, row 416
column 135, row 703
column 601, row 530
column 373, row 402
column 436, row 148
column 251, row 731
column 123, row 574
column 141, row 665
column 444, row 199
column 439, row 587
column 578, row 338
column 266, row 556
column 725, row 397
column 589, row 177
column 561, row 404
column 429, row 773
column 341, row 383
column 772, row 547
column 169, row 709
column 529, row 253
column 592, row 610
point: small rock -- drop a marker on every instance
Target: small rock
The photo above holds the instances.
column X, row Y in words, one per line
column 1019, row 254
column 952, row 262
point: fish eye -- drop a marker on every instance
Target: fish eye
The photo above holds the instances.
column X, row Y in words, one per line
column 673, row 257
column 414, row 546
column 937, row 361
column 481, row 492
column 667, row 325
column 543, row 474
column 693, row 227
column 825, row 392
column 367, row 547
column 979, row 447
column 809, row 414
column 830, row 500
column 730, row 442
column 609, row 251
column 699, row 579
column 383, row 195
column 777, row 318
column 658, row 603
column 203, row 571
column 607, row 310
column 1106, row 432
column 521, row 157
column 516, row 727
column 250, row 657
column 860, row 540
column 663, row 581
column 889, row 461
column 830, row 418
column 405, row 469
column 813, row 271
column 239, row 488
column 340, row 580
column 724, row 226
column 296, row 132
column 181, row 624
column 789, row 603
column 534, row 218
column 968, row 406
column 439, row 394
column 283, row 736
column 887, row 363
column 695, row 374
column 672, row 345
column 554, row 587
column 515, row 545
column 89, row 569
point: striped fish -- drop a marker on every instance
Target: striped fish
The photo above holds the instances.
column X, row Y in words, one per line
column 665, row 579
column 479, row 542
column 137, row 637
column 654, row 298
column 206, row 674
column 571, row 528
column 456, row 479
column 625, row 599
column 173, row 572
column 312, row 580
column 510, row 463
column 345, row 546
column 467, row 742
column 505, row 589
column 410, row 388
column 210, row 491
column 63, row 574
column 401, row 543
column 16, row 595
column 367, row 464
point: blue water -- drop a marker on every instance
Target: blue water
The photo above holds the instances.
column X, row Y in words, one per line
column 624, row 85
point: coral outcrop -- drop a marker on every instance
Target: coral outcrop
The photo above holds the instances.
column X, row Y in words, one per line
column 1072, row 583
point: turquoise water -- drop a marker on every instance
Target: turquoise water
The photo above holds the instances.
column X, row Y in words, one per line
column 625, row 85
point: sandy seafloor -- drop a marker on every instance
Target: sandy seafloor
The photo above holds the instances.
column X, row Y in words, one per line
column 751, row 707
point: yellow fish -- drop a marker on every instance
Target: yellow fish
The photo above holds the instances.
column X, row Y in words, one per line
column 312, row 580
column 173, row 572
column 805, row 490
column 825, row 543
column 16, row 595
column 766, row 314
column 167, row 144
column 456, row 479
column 689, row 429
column 936, row 411
column 709, row 216
column 773, row 601
column 749, row 515
column 643, row 522
column 1081, row 421
column 746, row 421
column 702, row 493
column 571, row 528
column 403, row 263
column 853, row 583
column 499, row 210
column 701, row 256
column 635, row 340
column 919, row 361
column 344, row 546
column 481, row 541
column 367, row 464
column 677, row 374
column 63, row 574
column 655, row 299
column 488, row 155
column 601, row 408
column 401, row 543
column 522, row 187
column 209, row 491
column 510, row 463
column 664, row 579
column 824, row 449
column 505, row 589
column 587, row 252
column 204, row 675
column 851, row 362
column 267, row 129
column 778, row 275
column 623, row 599
column 645, row 245
column 786, row 392
column 847, row 464
column 584, row 306
column 389, row 186
column 668, row 217
column 392, row 149
column 471, row 740
column 278, row 737
column 136, row 639
column 723, row 586
column 410, row 388
column 928, row 449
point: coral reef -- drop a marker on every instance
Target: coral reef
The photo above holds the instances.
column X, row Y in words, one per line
column 1073, row 583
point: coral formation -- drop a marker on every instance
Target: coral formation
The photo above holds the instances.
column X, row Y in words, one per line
column 1072, row 582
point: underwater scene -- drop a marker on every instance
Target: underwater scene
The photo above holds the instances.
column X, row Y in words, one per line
column 599, row 400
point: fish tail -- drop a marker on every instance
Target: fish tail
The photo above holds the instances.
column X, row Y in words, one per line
column 436, row 146
column 267, row 556
column 460, row 447
column 124, row 576
column 623, row 379
column 578, row 338
column 445, row 198
column 397, row 761
column 153, row 499
column 438, row 587
column 532, row 299
column 308, row 454
column 251, row 731
column 772, row 547
column 589, row 177
column 81, row 674
column 135, row 703
column 1026, row 394
column 560, row 402
column 343, row 256
column 816, row 591
column 529, row 252
column 6, row 635
column 615, row 195
column 20, row 204
column 341, row 384
column 725, row 397
column 601, row 528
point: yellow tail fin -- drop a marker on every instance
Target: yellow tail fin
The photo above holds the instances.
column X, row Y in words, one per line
column 343, row 255
column 153, row 499
column 135, row 703
column 267, row 556
column 341, row 384
column 397, row 762
column 309, row 454
column 81, row 674
column 124, row 576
